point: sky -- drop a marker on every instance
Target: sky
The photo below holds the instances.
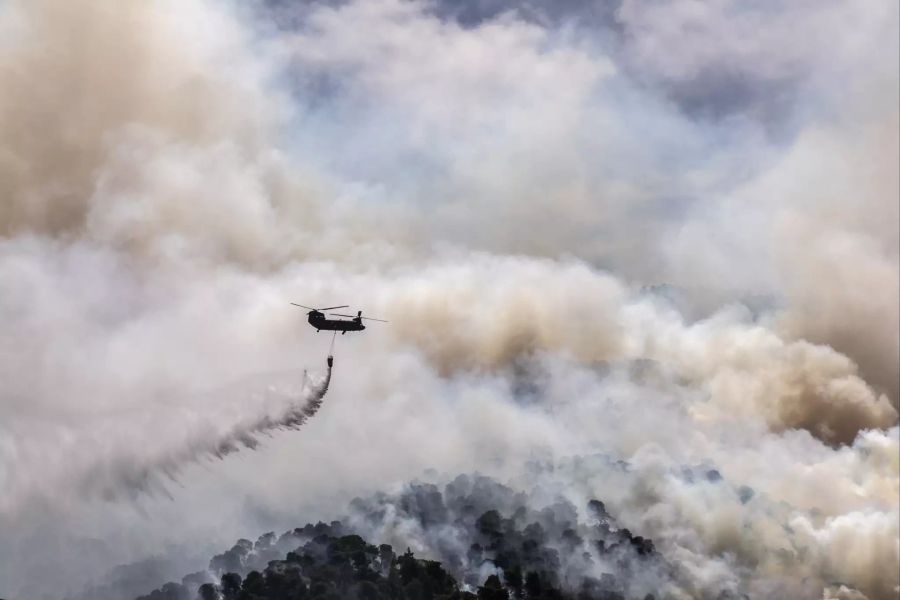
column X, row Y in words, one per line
column 663, row 232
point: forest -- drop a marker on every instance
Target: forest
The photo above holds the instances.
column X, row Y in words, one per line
column 475, row 551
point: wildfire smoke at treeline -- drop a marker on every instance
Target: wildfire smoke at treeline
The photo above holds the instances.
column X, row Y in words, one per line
column 661, row 233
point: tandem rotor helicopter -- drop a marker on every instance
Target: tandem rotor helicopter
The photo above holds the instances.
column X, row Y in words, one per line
column 316, row 318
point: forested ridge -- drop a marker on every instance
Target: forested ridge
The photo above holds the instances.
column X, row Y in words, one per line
column 481, row 539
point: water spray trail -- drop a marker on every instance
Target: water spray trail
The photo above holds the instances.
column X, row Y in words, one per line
column 131, row 476
column 293, row 417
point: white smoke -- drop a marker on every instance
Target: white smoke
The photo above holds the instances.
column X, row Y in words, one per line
column 503, row 191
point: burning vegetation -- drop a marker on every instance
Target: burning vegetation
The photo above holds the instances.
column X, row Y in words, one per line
column 466, row 549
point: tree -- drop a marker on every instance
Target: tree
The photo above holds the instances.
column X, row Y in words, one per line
column 492, row 590
column 231, row 586
column 208, row 591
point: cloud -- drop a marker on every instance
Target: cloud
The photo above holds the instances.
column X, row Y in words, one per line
column 585, row 242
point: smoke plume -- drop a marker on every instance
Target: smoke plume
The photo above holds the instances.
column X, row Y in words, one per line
column 663, row 233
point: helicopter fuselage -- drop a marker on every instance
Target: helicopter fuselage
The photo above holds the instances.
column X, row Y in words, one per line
column 318, row 320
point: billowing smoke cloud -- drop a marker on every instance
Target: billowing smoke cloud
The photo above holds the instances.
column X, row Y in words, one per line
column 591, row 232
column 746, row 368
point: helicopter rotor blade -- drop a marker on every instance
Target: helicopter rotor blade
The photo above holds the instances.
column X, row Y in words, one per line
column 358, row 317
column 311, row 308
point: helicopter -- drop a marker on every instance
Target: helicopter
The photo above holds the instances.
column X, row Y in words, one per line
column 316, row 318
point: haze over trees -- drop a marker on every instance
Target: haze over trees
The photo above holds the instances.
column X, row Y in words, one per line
column 482, row 540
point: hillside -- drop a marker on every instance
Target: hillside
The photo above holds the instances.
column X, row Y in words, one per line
column 477, row 539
